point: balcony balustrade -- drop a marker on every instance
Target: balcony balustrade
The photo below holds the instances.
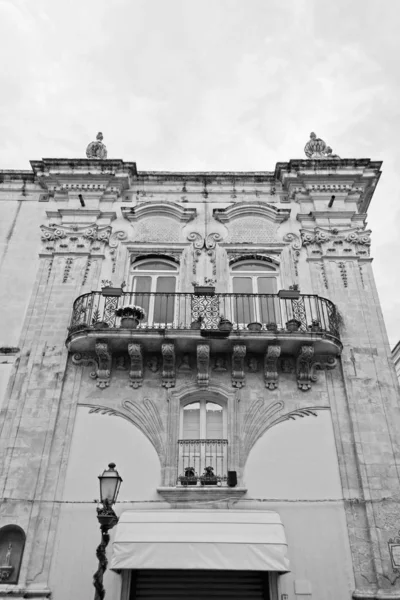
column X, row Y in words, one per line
column 184, row 317
column 202, row 462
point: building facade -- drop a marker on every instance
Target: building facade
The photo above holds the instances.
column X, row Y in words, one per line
column 218, row 335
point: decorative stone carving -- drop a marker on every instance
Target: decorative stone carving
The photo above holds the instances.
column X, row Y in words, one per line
column 198, row 243
column 316, row 149
column 97, row 149
column 68, row 265
column 104, row 359
column 147, row 418
column 256, row 421
column 208, row 244
column 253, row 364
column 238, row 375
column 295, row 243
column 305, row 369
column 153, row 363
column 203, row 363
column 325, row 241
column 185, row 364
column 220, row 364
column 115, row 239
column 75, row 238
column 271, row 366
column 136, row 371
column 343, row 273
column 161, row 230
column 168, row 366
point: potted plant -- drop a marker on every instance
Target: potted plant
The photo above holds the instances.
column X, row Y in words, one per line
column 197, row 323
column 208, row 477
column 224, row 324
column 293, row 325
column 97, row 323
column 130, row 316
column 272, row 327
column 189, row 478
column 254, row 326
column 293, row 293
column 315, row 325
column 77, row 327
column 109, row 290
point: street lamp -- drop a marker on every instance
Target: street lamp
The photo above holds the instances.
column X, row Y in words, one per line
column 110, row 482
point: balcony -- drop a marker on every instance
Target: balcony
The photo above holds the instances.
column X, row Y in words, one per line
column 185, row 319
column 298, row 334
column 202, row 462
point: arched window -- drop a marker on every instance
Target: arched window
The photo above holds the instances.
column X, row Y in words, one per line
column 12, row 543
column 154, row 283
column 258, row 280
column 203, row 433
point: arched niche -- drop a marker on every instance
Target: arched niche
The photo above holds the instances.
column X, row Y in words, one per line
column 12, row 544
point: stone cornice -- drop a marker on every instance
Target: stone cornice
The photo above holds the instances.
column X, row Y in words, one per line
column 251, row 209
column 159, row 209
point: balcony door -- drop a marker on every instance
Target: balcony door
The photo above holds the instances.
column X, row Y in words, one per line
column 258, row 280
column 154, row 283
column 203, row 437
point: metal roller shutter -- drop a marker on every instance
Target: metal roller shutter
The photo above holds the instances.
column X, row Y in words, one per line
column 198, row 584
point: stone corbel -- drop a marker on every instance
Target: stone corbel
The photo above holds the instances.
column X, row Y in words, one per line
column 203, row 364
column 238, row 376
column 305, row 368
column 168, row 366
column 271, row 366
column 136, row 371
column 104, row 358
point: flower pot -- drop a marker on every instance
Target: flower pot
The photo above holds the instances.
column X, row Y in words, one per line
column 129, row 322
column 204, row 290
column 293, row 325
column 100, row 325
column 111, row 291
column 195, row 325
column 254, row 326
column 315, row 327
column 272, row 327
column 188, row 480
column 225, row 325
column 209, row 480
column 289, row 294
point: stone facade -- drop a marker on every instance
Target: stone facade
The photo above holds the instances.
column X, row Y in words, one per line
column 72, row 227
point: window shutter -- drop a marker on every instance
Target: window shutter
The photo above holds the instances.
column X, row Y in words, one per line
column 197, row 584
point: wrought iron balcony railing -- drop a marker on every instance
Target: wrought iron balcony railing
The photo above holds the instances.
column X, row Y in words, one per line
column 184, row 311
column 203, row 462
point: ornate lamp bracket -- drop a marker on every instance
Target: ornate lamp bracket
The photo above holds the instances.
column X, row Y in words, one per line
column 168, row 366
column 238, row 376
column 271, row 366
column 136, row 372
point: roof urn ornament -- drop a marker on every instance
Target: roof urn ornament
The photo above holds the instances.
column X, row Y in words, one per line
column 316, row 149
column 97, row 149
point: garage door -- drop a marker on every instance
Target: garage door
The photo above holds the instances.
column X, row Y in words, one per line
column 198, row 584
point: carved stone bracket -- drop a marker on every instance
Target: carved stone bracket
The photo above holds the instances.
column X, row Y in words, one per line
column 271, row 366
column 104, row 359
column 168, row 366
column 203, row 364
column 332, row 241
column 136, row 371
column 238, row 376
column 305, row 369
column 75, row 238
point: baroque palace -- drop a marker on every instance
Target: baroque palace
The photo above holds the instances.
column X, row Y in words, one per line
column 218, row 336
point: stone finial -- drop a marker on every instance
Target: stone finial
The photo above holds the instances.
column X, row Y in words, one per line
column 316, row 149
column 97, row 149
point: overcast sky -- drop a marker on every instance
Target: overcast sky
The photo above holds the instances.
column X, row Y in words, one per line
column 210, row 85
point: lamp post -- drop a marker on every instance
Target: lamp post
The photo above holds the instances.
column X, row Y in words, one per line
column 110, row 482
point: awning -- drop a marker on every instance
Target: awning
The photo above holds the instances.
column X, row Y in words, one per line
column 200, row 539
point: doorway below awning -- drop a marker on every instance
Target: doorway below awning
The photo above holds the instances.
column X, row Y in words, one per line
column 234, row 540
column 198, row 585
